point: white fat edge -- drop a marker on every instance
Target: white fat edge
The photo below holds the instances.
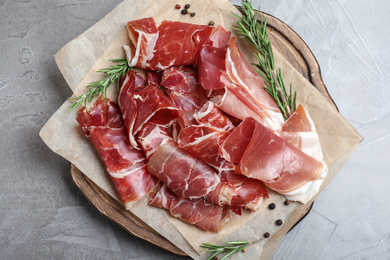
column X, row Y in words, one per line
column 152, row 40
column 310, row 144
column 201, row 114
column 309, row 190
column 126, row 172
column 224, row 154
column 202, row 138
column 254, row 206
column 156, row 132
column 275, row 119
column 127, row 50
column 136, row 96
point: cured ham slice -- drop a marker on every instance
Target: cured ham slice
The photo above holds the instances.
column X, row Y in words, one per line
column 104, row 126
column 157, row 47
column 204, row 139
column 146, row 105
column 182, row 87
column 299, row 130
column 269, row 158
column 238, row 192
column 197, row 212
column 186, row 175
column 241, row 90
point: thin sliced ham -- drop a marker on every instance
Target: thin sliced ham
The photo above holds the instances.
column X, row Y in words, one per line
column 197, row 212
column 149, row 104
column 186, row 175
column 235, row 87
column 299, row 130
column 269, row 158
column 203, row 140
column 103, row 125
column 160, row 46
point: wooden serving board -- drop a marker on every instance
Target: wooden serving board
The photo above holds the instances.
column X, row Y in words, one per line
column 293, row 48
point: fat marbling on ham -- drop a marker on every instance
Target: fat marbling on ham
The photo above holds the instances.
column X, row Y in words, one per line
column 103, row 125
column 199, row 212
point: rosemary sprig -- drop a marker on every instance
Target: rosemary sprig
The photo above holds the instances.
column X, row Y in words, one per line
column 95, row 88
column 255, row 32
column 230, row 248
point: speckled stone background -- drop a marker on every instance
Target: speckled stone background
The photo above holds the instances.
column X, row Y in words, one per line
column 44, row 216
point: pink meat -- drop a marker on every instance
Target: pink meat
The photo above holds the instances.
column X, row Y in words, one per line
column 197, row 212
column 104, row 126
column 267, row 157
column 204, row 139
column 184, row 174
column 168, row 44
column 146, row 105
column 235, row 87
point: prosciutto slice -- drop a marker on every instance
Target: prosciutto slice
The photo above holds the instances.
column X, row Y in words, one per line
column 265, row 156
column 186, row 175
column 240, row 90
column 144, row 105
column 104, row 126
column 238, row 192
column 204, row 139
column 160, row 46
column 197, row 212
column 299, row 130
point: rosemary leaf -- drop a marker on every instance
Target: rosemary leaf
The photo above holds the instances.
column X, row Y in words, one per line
column 255, row 32
column 114, row 73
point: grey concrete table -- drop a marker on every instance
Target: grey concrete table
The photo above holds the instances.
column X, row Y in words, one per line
column 44, row 216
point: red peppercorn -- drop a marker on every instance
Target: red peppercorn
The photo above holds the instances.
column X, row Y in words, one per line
column 177, row 6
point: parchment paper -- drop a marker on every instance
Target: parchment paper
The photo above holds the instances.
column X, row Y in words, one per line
column 89, row 52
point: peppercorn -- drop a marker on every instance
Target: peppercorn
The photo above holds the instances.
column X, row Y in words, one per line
column 279, row 222
column 272, row 206
column 215, row 258
column 192, row 14
column 177, row 6
column 184, row 11
column 187, row 6
column 287, row 202
column 211, row 23
column 244, row 250
column 266, row 235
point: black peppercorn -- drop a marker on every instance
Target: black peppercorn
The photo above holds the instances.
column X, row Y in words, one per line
column 286, row 202
column 184, row 11
column 272, row 206
column 211, row 23
column 279, row 222
column 266, row 235
column 187, row 6
column 192, row 14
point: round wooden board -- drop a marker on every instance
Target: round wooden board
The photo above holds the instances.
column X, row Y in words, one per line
column 293, row 48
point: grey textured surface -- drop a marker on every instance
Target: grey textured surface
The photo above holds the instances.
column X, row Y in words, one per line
column 44, row 216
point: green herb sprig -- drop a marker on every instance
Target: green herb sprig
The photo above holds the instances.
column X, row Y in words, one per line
column 114, row 73
column 230, row 248
column 255, row 32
